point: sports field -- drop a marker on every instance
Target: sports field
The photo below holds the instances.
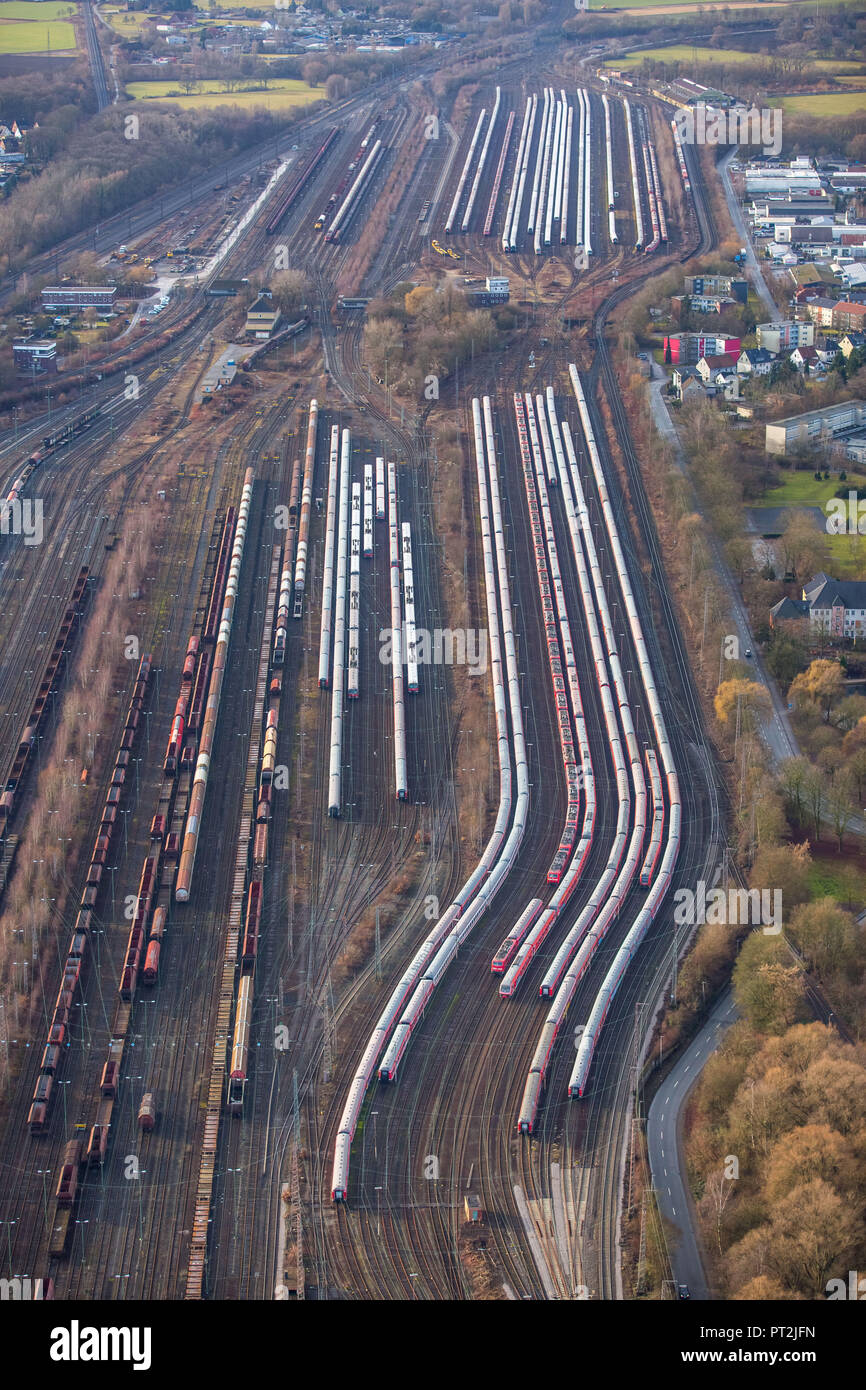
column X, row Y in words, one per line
column 827, row 103
column 684, row 53
column 280, row 94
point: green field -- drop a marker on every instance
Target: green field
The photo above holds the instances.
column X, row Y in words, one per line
column 40, row 10
column 202, row 10
column 684, row 53
column 36, row 38
column 660, row 5
column 800, row 489
column 129, row 23
column 839, row 881
column 281, row 94
column 828, row 104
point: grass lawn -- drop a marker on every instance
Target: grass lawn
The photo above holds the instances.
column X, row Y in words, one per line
column 40, row 10
column 659, row 6
column 129, row 23
column 828, row 104
column 838, row 877
column 800, row 489
column 281, row 94
column 234, row 5
column 684, row 53
column 25, row 37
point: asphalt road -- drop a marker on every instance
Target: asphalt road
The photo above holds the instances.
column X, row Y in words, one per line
column 739, row 222
column 663, row 1141
column 776, row 728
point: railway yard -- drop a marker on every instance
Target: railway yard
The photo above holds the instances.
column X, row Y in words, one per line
column 348, row 933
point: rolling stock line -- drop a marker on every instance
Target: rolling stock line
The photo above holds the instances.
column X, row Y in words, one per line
column 409, row 612
column 354, row 658
column 649, row 185
column 566, row 175
column 299, row 184
column 635, row 182
column 547, row 192
column 380, row 489
column 581, row 167
column 37, row 1117
column 211, row 713
column 477, row 1093
column 306, row 503
column 328, row 573
column 598, row 647
column 598, row 1012
column 397, row 683
column 608, row 150
column 461, row 182
column 367, row 550
column 648, row 867
column 661, row 886
column 540, row 156
column 34, row 724
column 482, row 160
column 587, row 178
column 571, row 728
column 497, row 178
column 611, row 889
column 148, row 1276
column 352, row 201
column 515, row 202
column 335, row 769
column 560, row 163
column 538, row 427
column 281, row 627
column 440, row 947
column 678, row 145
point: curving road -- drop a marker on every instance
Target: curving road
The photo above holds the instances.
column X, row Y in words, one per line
column 663, row 1133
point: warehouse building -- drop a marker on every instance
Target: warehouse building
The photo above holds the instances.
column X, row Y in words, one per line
column 77, row 297
column 814, row 427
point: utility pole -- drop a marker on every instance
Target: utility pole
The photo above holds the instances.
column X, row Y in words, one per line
column 641, row 1258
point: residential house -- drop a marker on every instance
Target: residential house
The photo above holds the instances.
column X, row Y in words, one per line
column 805, row 359
column 851, row 342
column 820, row 311
column 755, row 362
column 848, row 314
column 779, row 337
column 718, row 369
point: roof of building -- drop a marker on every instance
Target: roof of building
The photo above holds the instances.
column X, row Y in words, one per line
column 812, row 274
column 824, row 412
column 718, row 361
column 835, row 593
column 789, row 608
